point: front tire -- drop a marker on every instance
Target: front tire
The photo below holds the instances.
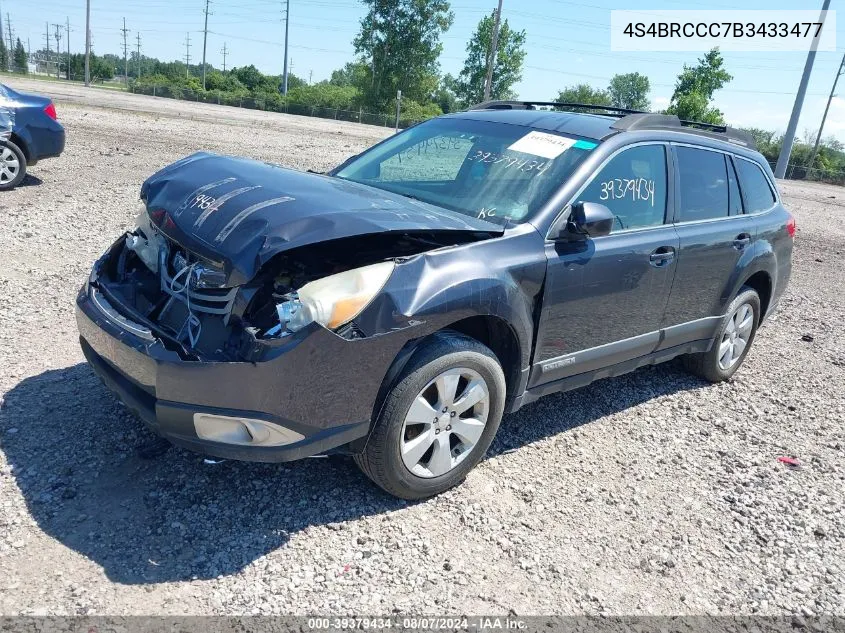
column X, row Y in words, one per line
column 12, row 165
column 732, row 341
column 438, row 420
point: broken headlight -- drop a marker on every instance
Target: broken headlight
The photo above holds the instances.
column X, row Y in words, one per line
column 334, row 300
column 146, row 241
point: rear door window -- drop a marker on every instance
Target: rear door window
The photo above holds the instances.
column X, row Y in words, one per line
column 755, row 187
column 703, row 183
column 633, row 186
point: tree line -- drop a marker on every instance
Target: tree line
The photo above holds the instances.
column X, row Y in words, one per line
column 16, row 59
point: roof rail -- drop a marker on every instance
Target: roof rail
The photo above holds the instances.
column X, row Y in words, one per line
column 532, row 105
column 649, row 121
column 630, row 120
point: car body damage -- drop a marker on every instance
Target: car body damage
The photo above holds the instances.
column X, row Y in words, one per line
column 178, row 320
column 218, row 298
column 303, row 380
column 239, row 213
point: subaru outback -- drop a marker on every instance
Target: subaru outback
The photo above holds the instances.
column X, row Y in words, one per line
column 396, row 307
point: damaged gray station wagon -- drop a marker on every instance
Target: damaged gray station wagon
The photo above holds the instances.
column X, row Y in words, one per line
column 394, row 308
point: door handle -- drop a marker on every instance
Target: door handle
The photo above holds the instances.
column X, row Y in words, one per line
column 742, row 240
column 662, row 256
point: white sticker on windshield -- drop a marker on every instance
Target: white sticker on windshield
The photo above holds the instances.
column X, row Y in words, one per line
column 542, row 144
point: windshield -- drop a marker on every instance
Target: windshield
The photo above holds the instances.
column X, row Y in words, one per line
column 494, row 171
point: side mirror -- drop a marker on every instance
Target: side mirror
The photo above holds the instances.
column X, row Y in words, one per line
column 590, row 219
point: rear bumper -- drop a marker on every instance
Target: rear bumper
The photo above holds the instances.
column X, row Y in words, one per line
column 319, row 385
column 47, row 141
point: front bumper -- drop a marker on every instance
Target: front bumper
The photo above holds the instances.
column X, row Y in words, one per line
column 316, row 384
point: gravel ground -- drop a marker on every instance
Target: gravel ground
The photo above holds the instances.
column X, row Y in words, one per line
column 651, row 493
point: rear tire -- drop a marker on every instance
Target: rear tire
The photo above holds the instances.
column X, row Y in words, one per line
column 12, row 165
column 732, row 342
column 420, row 452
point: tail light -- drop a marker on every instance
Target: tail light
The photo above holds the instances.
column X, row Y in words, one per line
column 790, row 226
column 50, row 111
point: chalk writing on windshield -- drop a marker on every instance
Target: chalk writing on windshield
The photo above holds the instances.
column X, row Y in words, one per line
column 507, row 161
column 486, row 213
column 434, row 145
column 635, row 189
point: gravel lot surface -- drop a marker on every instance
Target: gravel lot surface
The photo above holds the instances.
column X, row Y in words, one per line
column 651, row 493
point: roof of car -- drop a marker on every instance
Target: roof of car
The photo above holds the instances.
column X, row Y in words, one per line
column 571, row 118
column 594, row 126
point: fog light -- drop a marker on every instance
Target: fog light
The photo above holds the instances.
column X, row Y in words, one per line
column 242, row 431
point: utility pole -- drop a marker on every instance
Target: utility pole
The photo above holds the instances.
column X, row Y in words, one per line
column 287, row 24
column 47, row 37
column 58, row 36
column 204, row 41
column 67, row 22
column 87, row 42
column 138, row 39
column 839, row 73
column 789, row 137
column 492, row 59
column 9, row 29
column 310, row 76
column 225, row 52
column 188, row 55
column 125, row 50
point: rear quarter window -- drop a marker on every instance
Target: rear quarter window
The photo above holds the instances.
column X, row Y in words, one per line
column 755, row 186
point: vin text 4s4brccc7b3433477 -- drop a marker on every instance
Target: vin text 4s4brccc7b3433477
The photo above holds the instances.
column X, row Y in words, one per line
column 395, row 308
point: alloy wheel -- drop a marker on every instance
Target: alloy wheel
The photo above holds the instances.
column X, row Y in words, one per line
column 736, row 336
column 445, row 422
column 9, row 165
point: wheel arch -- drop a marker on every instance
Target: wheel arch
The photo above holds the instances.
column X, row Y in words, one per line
column 757, row 269
column 23, row 145
column 493, row 331
column 761, row 282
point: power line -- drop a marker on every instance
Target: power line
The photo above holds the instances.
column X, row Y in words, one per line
column 789, row 137
column 225, row 52
column 204, row 41
column 58, row 36
column 138, row 39
column 839, row 73
column 87, row 42
column 188, row 55
column 287, row 24
column 125, row 50
column 67, row 19
column 9, row 28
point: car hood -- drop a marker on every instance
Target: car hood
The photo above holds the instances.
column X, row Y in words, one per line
column 239, row 213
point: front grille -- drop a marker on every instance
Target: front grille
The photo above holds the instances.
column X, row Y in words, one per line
column 207, row 300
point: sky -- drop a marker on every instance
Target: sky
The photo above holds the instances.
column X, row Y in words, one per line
column 567, row 42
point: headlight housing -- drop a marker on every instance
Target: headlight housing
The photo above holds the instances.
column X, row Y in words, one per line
column 336, row 299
